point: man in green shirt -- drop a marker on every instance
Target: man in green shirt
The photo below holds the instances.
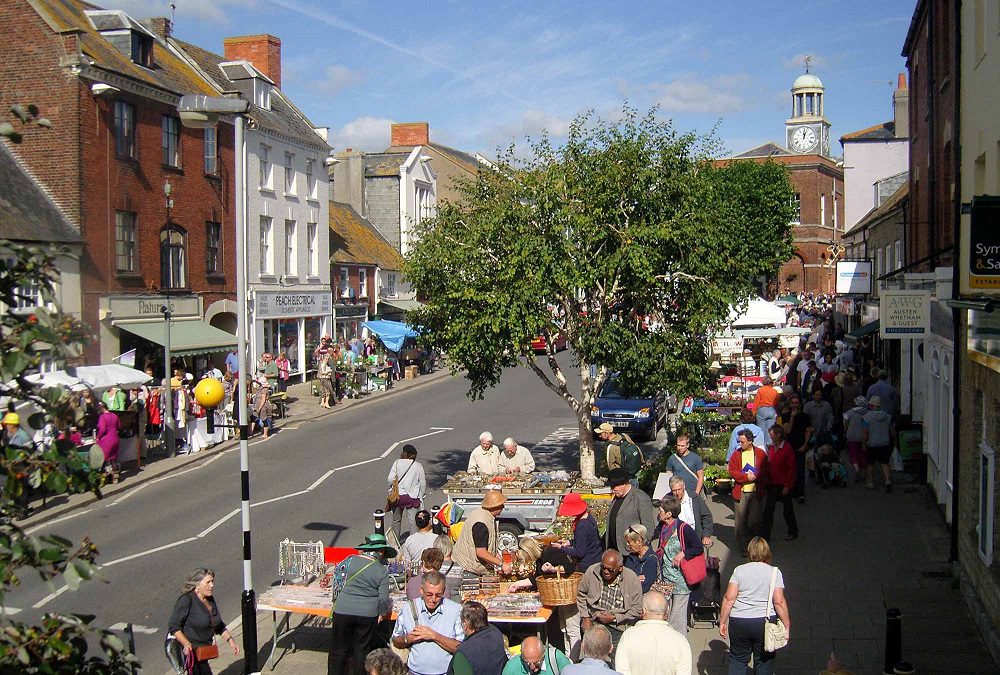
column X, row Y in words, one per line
column 269, row 369
column 536, row 658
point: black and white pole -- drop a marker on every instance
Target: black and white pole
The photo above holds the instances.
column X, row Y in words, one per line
column 249, row 601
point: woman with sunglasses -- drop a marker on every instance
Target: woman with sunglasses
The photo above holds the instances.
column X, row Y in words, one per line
column 671, row 551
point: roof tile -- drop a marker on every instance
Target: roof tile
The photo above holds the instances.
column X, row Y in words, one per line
column 355, row 241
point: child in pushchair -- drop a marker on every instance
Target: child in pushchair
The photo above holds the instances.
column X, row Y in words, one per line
column 830, row 470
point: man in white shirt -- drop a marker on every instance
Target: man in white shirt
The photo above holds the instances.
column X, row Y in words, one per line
column 515, row 458
column 652, row 646
column 694, row 512
column 485, row 457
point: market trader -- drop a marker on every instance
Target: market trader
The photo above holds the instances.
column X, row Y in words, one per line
column 622, row 452
column 516, row 458
column 485, row 457
column 476, row 548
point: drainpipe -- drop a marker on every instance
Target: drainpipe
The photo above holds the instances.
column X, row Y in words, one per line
column 956, row 316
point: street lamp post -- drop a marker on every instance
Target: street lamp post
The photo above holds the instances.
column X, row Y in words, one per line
column 168, row 390
column 201, row 112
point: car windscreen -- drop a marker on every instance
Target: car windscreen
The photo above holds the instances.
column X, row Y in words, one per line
column 610, row 390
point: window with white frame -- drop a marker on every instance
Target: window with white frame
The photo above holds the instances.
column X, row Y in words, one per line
column 879, row 269
column 343, row 289
column 211, row 150
column 424, row 208
column 291, row 254
column 889, row 266
column 985, row 521
column 363, row 283
column 173, row 258
column 898, row 245
column 312, row 244
column 171, row 141
column 125, row 252
column 265, row 166
column 390, row 284
column 289, row 173
column 311, row 185
column 29, row 296
column 124, row 129
column 213, row 248
column 266, row 245
column 796, row 208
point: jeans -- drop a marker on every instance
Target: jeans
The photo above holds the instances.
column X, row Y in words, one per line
column 350, row 643
column 746, row 515
column 766, row 417
column 746, row 637
column 787, row 511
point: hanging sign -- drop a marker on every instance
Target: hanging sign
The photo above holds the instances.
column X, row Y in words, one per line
column 854, row 277
column 904, row 314
column 980, row 252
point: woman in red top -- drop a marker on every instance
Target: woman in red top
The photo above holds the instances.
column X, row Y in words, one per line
column 781, row 459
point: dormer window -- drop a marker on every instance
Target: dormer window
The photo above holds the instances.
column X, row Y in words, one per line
column 142, row 49
column 262, row 94
column 125, row 34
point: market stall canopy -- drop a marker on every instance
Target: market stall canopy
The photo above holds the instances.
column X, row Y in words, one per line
column 401, row 304
column 764, row 333
column 392, row 333
column 57, row 379
column 111, row 375
column 862, row 331
column 786, row 300
column 187, row 336
column 759, row 314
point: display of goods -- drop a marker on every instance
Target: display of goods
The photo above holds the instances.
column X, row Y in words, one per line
column 300, row 560
column 599, row 509
column 551, row 482
column 296, row 596
column 514, row 604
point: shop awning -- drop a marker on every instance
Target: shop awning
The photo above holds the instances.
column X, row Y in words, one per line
column 392, row 333
column 862, row 331
column 187, row 336
column 399, row 305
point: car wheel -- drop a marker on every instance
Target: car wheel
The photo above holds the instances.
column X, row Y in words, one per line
column 509, row 536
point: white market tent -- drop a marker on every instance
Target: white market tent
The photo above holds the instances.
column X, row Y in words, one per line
column 759, row 314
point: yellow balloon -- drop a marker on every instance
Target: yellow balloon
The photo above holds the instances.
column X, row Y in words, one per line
column 209, row 393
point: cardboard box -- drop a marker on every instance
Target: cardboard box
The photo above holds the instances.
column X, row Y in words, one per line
column 411, row 372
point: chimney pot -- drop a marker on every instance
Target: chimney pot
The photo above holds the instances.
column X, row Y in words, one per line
column 901, row 82
column 263, row 51
column 410, row 133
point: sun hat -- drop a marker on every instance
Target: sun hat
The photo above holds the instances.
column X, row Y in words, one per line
column 493, row 499
column 377, row 542
column 12, row 418
column 617, row 477
column 605, row 428
column 572, row 505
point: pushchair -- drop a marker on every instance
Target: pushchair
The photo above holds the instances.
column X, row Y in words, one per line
column 830, row 470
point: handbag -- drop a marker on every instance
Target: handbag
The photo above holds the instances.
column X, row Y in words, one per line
column 179, row 662
column 694, row 569
column 392, row 498
column 775, row 633
column 206, row 652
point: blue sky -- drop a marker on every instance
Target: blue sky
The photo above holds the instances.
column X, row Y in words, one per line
column 484, row 74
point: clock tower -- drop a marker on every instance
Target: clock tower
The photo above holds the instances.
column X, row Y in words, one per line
column 807, row 131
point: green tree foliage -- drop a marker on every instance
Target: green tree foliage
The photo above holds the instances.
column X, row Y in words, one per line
column 627, row 239
column 60, row 643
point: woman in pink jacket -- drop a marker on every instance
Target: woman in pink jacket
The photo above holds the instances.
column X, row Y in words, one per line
column 108, row 439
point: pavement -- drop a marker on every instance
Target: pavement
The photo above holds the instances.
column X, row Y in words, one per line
column 858, row 553
column 302, row 407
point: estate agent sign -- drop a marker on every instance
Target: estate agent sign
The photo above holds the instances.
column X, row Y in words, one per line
column 980, row 253
column 904, row 314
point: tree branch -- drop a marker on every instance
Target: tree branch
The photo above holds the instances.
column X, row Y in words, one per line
column 561, row 391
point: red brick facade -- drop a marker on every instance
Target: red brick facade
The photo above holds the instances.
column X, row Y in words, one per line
column 76, row 160
column 354, row 283
column 933, row 69
column 263, row 51
column 410, row 133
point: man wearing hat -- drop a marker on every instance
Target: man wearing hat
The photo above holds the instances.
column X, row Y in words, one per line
column 878, row 441
column 476, row 548
column 630, row 505
column 363, row 599
column 622, row 452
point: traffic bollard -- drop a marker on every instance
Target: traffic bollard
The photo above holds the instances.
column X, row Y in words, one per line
column 904, row 668
column 130, row 634
column 379, row 517
column 893, row 640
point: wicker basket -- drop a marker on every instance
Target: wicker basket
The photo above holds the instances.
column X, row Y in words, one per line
column 559, row 590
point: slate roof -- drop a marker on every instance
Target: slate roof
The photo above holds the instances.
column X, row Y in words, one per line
column 385, row 164
column 769, row 149
column 886, row 131
column 464, row 159
column 283, row 117
column 353, row 240
column 27, row 212
column 170, row 72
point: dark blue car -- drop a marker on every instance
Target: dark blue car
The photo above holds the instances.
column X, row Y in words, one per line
column 638, row 416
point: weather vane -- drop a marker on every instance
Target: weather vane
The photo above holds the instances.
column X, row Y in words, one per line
column 808, row 61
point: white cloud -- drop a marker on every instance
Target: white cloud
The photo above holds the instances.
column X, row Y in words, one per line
column 534, row 123
column 364, row 133
column 202, row 10
column 718, row 94
column 336, row 77
column 798, row 62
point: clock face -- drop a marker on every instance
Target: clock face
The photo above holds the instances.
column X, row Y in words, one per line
column 803, row 139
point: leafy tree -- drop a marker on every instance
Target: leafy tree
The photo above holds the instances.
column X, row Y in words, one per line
column 60, row 643
column 628, row 239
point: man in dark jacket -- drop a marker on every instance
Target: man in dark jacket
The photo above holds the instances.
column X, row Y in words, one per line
column 629, row 506
column 694, row 511
column 482, row 652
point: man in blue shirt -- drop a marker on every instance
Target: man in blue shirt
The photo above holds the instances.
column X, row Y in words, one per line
column 687, row 465
column 747, row 418
column 232, row 362
column 430, row 626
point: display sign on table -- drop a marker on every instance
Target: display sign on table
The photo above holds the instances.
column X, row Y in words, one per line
column 904, row 314
column 854, row 277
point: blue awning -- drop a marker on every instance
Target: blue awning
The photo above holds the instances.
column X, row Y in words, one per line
column 392, row 333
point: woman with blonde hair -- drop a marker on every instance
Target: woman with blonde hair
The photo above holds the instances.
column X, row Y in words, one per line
column 754, row 589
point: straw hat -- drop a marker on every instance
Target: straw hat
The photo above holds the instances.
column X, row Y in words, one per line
column 572, row 505
column 493, row 499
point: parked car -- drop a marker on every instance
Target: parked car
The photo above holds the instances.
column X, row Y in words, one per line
column 640, row 416
column 540, row 345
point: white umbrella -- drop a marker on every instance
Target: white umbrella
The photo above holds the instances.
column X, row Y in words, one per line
column 57, row 379
column 111, row 375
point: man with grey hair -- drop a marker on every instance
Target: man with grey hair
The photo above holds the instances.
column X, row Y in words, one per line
column 652, row 646
column 430, row 627
column 595, row 651
column 694, row 512
column 515, row 458
column 485, row 457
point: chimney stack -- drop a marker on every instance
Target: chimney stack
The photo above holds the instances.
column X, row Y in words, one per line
column 410, row 133
column 263, row 51
column 160, row 26
column 901, row 107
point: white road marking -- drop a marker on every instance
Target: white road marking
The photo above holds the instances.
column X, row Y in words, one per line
column 9, row 611
column 217, row 523
column 35, row 528
column 50, row 597
column 278, row 499
column 140, row 554
column 136, row 628
column 388, row 450
column 320, row 480
column 127, row 494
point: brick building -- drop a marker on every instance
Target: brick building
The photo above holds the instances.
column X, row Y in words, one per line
column 818, row 182
column 110, row 86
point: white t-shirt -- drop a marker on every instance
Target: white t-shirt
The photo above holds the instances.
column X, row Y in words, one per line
column 417, row 543
column 754, row 581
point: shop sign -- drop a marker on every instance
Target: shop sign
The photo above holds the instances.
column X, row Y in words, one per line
column 904, row 314
column 726, row 346
column 789, row 340
column 984, row 338
column 351, row 312
column 292, row 304
column 122, row 307
column 854, row 277
column 845, row 305
column 980, row 263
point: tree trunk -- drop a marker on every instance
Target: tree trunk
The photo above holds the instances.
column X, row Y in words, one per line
column 588, row 461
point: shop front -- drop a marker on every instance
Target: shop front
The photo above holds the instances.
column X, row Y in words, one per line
column 349, row 320
column 291, row 322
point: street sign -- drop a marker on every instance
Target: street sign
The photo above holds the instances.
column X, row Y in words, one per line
column 854, row 277
column 904, row 314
